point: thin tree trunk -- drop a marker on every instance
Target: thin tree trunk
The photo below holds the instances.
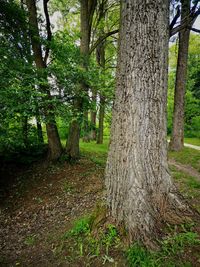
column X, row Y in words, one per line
column 101, row 120
column 39, row 129
column 25, row 130
column 100, row 58
column 140, row 192
column 87, row 12
column 177, row 138
column 93, row 117
column 55, row 147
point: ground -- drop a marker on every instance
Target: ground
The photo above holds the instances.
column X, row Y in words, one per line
column 40, row 203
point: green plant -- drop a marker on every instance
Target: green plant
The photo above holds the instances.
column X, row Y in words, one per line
column 138, row 256
column 80, row 228
column 111, row 237
column 30, row 240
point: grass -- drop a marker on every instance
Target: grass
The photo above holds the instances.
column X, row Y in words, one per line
column 171, row 252
column 98, row 154
column 187, row 156
column 192, row 141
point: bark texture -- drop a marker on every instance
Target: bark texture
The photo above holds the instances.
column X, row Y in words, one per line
column 55, row 147
column 177, row 138
column 140, row 192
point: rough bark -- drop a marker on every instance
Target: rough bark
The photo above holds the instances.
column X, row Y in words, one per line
column 55, row 147
column 177, row 138
column 140, row 192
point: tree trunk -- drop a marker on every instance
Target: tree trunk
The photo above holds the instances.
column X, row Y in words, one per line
column 25, row 130
column 87, row 12
column 140, row 192
column 72, row 146
column 177, row 138
column 100, row 57
column 55, row 147
column 101, row 120
column 39, row 129
column 93, row 117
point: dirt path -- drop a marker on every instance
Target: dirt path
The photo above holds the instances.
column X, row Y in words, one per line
column 40, row 207
column 192, row 146
column 185, row 168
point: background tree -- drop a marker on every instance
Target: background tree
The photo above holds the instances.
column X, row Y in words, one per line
column 55, row 148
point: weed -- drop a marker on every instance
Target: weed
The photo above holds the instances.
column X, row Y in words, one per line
column 80, row 228
column 30, row 240
column 110, row 237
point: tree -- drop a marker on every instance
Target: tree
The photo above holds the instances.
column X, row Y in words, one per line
column 87, row 10
column 177, row 137
column 55, row 147
column 140, row 192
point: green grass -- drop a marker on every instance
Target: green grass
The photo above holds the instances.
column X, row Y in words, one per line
column 187, row 156
column 192, row 141
column 171, row 247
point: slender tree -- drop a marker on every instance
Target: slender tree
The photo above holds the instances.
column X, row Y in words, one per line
column 86, row 17
column 140, row 192
column 177, row 138
column 55, row 148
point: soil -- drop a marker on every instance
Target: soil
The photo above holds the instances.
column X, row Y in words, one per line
column 38, row 205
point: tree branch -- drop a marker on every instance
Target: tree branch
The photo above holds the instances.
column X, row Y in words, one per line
column 101, row 39
column 195, row 30
column 187, row 22
column 178, row 13
column 48, row 28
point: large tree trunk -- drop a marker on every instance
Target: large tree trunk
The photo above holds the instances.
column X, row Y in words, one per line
column 177, row 138
column 140, row 192
column 55, row 147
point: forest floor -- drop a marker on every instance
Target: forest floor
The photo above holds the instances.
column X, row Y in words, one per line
column 39, row 205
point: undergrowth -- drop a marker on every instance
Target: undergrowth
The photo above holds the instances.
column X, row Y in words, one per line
column 103, row 244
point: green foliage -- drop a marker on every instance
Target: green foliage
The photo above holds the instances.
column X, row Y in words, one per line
column 81, row 228
column 192, row 98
